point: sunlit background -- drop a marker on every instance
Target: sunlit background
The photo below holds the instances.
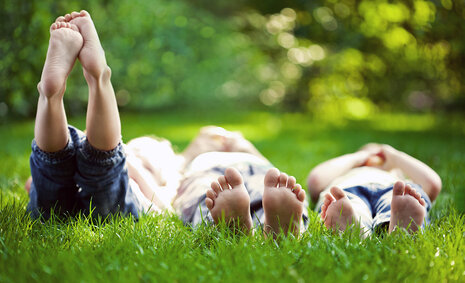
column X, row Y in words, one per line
column 325, row 58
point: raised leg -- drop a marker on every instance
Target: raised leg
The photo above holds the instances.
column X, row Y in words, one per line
column 103, row 124
column 51, row 132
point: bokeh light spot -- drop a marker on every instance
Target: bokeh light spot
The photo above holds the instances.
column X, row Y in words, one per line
column 286, row 40
column 316, row 52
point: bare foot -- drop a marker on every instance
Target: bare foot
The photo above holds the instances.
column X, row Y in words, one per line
column 229, row 200
column 92, row 56
column 282, row 203
column 407, row 208
column 65, row 44
column 337, row 211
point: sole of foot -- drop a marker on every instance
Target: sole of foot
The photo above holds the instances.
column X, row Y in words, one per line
column 336, row 211
column 283, row 203
column 92, row 56
column 229, row 201
column 407, row 208
column 64, row 47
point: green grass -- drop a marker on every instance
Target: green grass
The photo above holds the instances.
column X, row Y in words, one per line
column 160, row 248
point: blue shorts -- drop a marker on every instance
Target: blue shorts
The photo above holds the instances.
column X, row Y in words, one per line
column 372, row 203
column 80, row 178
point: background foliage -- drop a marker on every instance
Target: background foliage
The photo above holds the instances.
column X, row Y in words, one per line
column 328, row 57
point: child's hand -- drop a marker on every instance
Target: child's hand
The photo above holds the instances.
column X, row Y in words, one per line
column 372, row 148
column 382, row 156
column 372, row 157
column 374, row 161
column 389, row 155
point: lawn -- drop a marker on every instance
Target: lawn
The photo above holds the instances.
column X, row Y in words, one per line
column 160, row 248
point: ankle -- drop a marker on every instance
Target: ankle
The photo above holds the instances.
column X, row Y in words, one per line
column 51, row 89
column 96, row 77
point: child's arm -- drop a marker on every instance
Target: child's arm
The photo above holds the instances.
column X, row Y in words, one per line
column 144, row 180
column 324, row 173
column 416, row 170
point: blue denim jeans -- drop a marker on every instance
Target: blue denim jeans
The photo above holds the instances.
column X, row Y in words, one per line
column 80, row 178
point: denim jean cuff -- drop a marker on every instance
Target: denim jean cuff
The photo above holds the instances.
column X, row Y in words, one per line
column 54, row 157
column 102, row 157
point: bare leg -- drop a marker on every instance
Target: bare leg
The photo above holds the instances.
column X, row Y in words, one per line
column 50, row 131
column 407, row 208
column 282, row 203
column 103, row 122
column 229, row 200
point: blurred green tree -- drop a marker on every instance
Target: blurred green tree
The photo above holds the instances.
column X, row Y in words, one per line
column 162, row 53
column 325, row 56
column 356, row 55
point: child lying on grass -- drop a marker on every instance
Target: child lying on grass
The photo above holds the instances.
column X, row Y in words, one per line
column 247, row 191
column 370, row 188
column 76, row 172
